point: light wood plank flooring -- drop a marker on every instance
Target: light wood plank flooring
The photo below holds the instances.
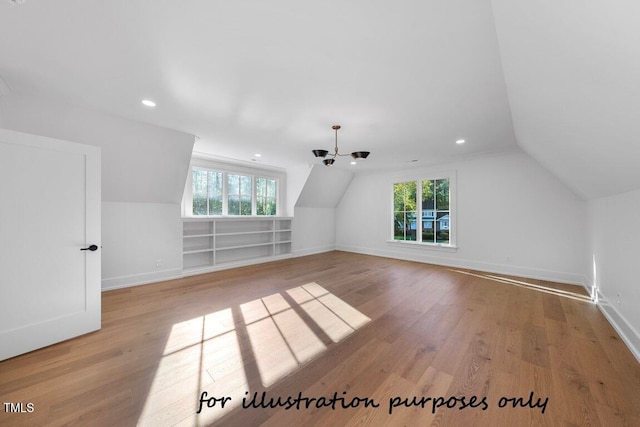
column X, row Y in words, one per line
column 343, row 329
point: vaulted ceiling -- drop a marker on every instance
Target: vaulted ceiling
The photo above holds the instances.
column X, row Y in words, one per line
column 405, row 80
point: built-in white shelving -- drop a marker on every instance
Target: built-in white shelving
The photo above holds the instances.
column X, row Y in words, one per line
column 214, row 243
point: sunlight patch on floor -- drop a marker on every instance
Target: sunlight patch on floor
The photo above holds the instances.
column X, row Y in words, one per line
column 280, row 339
column 272, row 353
column 302, row 341
column 200, row 354
column 204, row 354
column 332, row 325
column 335, row 317
column 344, row 311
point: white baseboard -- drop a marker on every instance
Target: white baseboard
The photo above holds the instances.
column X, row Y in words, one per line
column 588, row 286
column 313, row 251
column 629, row 335
column 511, row 270
column 112, row 283
column 230, row 265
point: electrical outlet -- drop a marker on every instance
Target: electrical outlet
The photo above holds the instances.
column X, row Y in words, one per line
column 158, row 263
column 618, row 298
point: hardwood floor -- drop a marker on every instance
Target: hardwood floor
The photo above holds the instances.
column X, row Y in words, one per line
column 349, row 331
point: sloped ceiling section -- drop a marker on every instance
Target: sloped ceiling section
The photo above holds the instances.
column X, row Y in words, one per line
column 572, row 71
column 140, row 162
column 324, row 187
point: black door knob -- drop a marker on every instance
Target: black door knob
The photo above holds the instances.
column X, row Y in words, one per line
column 91, row 248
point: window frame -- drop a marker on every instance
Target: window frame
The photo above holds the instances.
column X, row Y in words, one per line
column 227, row 168
column 418, row 178
column 264, row 199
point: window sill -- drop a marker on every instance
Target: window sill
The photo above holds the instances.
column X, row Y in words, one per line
column 204, row 217
column 427, row 246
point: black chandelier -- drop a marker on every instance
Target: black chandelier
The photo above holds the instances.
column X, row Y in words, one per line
column 328, row 161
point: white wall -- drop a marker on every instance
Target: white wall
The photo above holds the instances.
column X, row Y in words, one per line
column 316, row 196
column 144, row 169
column 314, row 230
column 141, row 243
column 513, row 217
column 614, row 231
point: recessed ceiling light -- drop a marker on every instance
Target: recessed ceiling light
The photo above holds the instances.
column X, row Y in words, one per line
column 148, row 103
column 258, row 155
column 460, row 141
column 354, row 163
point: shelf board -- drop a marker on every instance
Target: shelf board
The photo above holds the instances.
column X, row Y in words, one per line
column 250, row 245
column 238, row 233
column 188, row 236
column 197, row 251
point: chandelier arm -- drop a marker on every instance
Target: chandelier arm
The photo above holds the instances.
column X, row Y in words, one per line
column 329, row 158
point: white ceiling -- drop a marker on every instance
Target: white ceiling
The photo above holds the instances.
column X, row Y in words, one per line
column 404, row 79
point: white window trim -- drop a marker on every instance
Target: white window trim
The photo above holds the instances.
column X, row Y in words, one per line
column 453, row 211
column 232, row 168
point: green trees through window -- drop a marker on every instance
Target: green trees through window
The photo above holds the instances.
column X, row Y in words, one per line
column 435, row 211
column 221, row 193
column 265, row 196
column 428, row 221
column 404, row 210
column 207, row 192
column 239, row 194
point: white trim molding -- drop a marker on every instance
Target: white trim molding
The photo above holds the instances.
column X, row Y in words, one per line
column 313, row 251
column 629, row 335
column 512, row 270
column 112, row 283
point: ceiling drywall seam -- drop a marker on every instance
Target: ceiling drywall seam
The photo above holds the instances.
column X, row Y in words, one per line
column 296, row 179
column 4, row 86
column 504, row 78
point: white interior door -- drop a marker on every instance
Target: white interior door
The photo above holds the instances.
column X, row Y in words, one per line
column 49, row 212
